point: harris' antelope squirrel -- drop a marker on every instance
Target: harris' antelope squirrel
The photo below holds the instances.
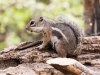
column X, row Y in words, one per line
column 64, row 35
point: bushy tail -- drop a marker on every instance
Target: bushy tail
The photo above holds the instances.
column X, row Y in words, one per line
column 77, row 31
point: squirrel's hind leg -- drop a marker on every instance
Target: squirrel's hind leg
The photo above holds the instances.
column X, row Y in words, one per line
column 60, row 49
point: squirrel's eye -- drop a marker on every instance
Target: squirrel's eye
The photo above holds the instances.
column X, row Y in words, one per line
column 32, row 22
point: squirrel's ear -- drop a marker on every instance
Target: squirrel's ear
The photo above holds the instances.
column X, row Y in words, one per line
column 41, row 18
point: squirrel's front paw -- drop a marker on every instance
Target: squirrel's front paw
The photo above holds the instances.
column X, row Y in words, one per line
column 39, row 47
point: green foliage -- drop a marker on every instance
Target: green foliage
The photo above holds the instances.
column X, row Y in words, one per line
column 15, row 14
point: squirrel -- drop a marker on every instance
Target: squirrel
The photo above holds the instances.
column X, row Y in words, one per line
column 64, row 35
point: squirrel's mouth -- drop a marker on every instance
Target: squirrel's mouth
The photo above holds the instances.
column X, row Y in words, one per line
column 26, row 28
column 29, row 29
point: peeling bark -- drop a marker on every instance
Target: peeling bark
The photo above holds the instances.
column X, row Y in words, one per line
column 71, row 67
column 25, row 52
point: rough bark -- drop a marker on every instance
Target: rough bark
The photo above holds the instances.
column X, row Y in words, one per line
column 91, row 40
column 91, row 44
column 31, row 69
column 71, row 67
column 25, row 52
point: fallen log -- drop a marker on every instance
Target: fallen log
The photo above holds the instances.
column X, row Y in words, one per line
column 91, row 40
column 91, row 44
column 90, row 62
column 31, row 69
column 26, row 53
column 91, row 47
column 89, row 56
column 71, row 67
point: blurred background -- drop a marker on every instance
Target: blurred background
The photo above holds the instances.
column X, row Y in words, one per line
column 15, row 14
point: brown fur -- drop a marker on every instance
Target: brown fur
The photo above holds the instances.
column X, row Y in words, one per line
column 65, row 35
column 46, row 34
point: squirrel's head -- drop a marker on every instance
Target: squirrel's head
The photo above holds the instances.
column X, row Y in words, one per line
column 37, row 22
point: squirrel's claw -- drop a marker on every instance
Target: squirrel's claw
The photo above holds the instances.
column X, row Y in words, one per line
column 39, row 47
